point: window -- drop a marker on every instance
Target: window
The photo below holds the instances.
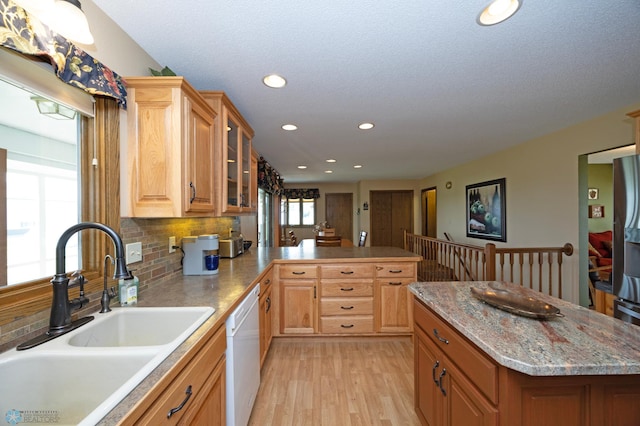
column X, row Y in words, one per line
column 298, row 212
column 42, row 192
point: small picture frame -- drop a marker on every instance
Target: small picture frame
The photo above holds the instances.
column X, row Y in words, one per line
column 593, row 193
column 596, row 211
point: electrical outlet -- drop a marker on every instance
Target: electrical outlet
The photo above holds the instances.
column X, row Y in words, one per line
column 134, row 253
column 172, row 243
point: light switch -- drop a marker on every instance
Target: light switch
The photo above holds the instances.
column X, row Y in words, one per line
column 134, row 252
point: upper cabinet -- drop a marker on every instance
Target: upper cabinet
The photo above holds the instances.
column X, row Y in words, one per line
column 169, row 157
column 236, row 169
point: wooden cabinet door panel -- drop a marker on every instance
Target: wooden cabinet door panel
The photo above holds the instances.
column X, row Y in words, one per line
column 298, row 307
column 427, row 399
column 396, row 309
column 466, row 406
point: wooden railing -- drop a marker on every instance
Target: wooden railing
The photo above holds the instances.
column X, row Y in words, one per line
column 538, row 268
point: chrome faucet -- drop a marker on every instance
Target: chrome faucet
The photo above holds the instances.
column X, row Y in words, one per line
column 61, row 307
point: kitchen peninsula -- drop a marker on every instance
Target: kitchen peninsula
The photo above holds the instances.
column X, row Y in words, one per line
column 476, row 364
column 371, row 272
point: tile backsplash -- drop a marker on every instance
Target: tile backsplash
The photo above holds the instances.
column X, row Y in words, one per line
column 157, row 265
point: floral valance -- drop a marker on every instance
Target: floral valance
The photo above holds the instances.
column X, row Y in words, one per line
column 268, row 178
column 25, row 34
column 307, row 193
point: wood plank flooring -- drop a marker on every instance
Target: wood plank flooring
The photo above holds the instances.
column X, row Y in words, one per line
column 337, row 382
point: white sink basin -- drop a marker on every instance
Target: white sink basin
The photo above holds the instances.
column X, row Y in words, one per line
column 67, row 388
column 77, row 378
column 140, row 327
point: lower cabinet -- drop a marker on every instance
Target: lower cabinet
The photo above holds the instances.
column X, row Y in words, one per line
column 355, row 298
column 444, row 394
column 458, row 384
column 193, row 394
column 266, row 315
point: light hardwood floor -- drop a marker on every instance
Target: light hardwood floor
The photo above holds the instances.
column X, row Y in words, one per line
column 337, row 382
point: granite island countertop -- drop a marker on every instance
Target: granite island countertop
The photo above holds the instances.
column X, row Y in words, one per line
column 224, row 291
column 583, row 342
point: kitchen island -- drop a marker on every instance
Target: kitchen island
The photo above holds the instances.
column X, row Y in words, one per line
column 224, row 291
column 476, row 364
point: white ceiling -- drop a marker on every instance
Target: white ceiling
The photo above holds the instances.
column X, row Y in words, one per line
column 441, row 89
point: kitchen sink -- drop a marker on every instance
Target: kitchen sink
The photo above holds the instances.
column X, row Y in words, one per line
column 77, row 378
column 67, row 388
column 140, row 327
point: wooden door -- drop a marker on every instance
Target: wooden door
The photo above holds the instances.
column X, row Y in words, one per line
column 338, row 213
column 391, row 215
column 429, row 224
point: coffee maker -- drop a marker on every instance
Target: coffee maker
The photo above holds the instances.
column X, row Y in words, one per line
column 200, row 255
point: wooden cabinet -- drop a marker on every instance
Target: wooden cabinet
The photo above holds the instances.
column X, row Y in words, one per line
column 236, row 176
column 346, row 303
column 355, row 298
column 298, row 292
column 458, row 384
column 169, row 155
column 445, row 395
column 394, row 301
column 193, row 391
column 266, row 313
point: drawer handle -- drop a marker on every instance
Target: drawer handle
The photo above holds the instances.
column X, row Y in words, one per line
column 298, row 272
column 179, row 407
column 193, row 192
column 347, row 326
column 442, row 339
column 433, row 372
column 346, row 272
column 268, row 300
column 444, row 371
column 395, row 271
column 395, row 283
column 346, row 289
column 346, row 307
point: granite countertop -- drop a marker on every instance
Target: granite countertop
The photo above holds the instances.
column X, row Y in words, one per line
column 583, row 342
column 224, row 290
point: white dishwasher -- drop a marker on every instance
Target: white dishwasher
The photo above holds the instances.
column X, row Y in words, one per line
column 243, row 359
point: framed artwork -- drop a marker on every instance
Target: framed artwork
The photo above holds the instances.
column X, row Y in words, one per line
column 593, row 193
column 596, row 211
column 487, row 210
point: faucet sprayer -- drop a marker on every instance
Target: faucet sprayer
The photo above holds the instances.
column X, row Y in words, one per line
column 61, row 307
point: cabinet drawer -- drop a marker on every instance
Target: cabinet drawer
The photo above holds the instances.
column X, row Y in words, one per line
column 363, row 270
column 266, row 281
column 346, row 306
column 347, row 325
column 194, row 374
column 404, row 269
column 298, row 271
column 346, row 288
column 478, row 367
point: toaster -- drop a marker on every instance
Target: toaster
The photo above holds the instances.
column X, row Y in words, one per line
column 231, row 247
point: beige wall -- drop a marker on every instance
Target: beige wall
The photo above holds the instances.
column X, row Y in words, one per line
column 542, row 188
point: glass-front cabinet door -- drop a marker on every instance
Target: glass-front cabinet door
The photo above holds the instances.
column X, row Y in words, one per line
column 233, row 160
column 245, row 196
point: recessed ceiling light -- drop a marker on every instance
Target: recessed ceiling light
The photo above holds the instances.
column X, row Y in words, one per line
column 274, row 80
column 365, row 126
column 357, row 166
column 331, row 160
column 289, row 127
column 498, row 11
column 328, row 171
column 302, row 166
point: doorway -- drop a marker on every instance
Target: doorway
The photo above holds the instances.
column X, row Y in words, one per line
column 391, row 215
column 338, row 213
column 429, row 217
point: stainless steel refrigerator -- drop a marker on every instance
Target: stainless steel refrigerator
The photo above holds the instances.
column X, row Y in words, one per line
column 626, row 238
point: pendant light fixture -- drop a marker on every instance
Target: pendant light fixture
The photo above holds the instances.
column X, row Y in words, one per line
column 498, row 11
column 64, row 17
